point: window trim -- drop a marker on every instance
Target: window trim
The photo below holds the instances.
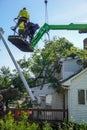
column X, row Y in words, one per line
column 84, row 98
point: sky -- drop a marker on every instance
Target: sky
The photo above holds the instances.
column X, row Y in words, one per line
column 60, row 12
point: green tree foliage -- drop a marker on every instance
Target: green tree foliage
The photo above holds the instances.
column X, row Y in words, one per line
column 43, row 64
column 5, row 77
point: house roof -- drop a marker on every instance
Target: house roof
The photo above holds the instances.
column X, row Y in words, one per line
column 67, row 81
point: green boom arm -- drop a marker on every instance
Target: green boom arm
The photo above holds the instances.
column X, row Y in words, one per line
column 45, row 28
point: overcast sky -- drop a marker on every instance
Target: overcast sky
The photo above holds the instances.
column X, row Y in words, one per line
column 59, row 12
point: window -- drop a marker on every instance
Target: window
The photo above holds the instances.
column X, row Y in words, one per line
column 81, row 96
column 49, row 101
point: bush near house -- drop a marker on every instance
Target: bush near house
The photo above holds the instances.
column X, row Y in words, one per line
column 8, row 123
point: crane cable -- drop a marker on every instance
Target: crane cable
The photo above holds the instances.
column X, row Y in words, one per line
column 46, row 11
column 44, row 68
column 46, row 17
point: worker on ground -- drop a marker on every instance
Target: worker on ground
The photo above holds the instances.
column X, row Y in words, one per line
column 23, row 16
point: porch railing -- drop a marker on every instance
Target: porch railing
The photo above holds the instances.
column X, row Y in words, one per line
column 42, row 114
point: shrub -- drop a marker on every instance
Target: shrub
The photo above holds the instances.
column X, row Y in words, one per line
column 8, row 123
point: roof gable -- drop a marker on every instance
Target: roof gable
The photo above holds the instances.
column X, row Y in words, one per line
column 69, row 80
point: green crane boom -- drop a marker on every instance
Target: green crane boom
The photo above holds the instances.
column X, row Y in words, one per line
column 45, row 28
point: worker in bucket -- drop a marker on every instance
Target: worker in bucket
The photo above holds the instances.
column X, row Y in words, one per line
column 23, row 16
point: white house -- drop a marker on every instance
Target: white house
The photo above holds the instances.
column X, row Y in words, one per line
column 77, row 96
column 73, row 92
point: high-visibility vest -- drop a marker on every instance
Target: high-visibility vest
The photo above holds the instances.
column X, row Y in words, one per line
column 24, row 13
column 21, row 26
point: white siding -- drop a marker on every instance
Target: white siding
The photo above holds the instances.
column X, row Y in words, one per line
column 77, row 111
column 55, row 101
column 70, row 67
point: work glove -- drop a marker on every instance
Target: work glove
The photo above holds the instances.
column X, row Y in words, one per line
column 15, row 18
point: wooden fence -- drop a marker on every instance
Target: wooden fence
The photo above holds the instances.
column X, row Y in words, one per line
column 42, row 114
